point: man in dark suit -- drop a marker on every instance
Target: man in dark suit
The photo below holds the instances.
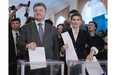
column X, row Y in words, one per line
column 13, row 51
column 30, row 35
column 97, row 40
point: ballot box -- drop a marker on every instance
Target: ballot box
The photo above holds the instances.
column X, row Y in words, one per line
column 83, row 67
column 40, row 68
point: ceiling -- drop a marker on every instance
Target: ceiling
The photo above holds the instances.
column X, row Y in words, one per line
column 52, row 6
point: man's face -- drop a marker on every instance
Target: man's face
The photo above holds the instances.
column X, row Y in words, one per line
column 76, row 21
column 15, row 25
column 91, row 27
column 39, row 13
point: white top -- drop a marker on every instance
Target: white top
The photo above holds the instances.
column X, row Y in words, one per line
column 75, row 33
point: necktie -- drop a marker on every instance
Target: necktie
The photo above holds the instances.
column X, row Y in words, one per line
column 16, row 42
column 40, row 31
column 16, row 35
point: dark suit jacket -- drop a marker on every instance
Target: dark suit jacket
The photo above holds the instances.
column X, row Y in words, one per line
column 79, row 45
column 30, row 34
column 12, row 54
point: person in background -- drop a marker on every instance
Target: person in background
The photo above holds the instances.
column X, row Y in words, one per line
column 66, row 25
column 12, row 13
column 101, row 33
column 106, row 37
column 83, row 27
column 26, row 13
column 29, row 20
column 97, row 40
column 106, row 43
column 14, row 10
column 39, row 34
column 71, row 13
column 59, row 30
column 49, row 21
column 13, row 51
column 57, row 69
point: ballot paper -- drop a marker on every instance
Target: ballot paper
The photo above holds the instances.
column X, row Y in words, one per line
column 70, row 52
column 37, row 58
column 93, row 67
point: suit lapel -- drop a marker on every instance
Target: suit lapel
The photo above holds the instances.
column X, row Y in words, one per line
column 71, row 35
column 46, row 32
column 12, row 39
column 36, row 34
column 79, row 38
column 35, row 31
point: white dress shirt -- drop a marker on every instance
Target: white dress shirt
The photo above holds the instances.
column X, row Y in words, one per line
column 43, row 26
column 14, row 38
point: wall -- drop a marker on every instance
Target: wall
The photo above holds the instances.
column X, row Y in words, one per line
column 61, row 13
column 69, row 5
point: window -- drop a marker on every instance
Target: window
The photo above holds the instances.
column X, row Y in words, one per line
column 60, row 20
column 92, row 9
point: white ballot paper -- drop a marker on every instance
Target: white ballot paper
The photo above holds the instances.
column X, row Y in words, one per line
column 70, row 52
column 37, row 58
column 93, row 67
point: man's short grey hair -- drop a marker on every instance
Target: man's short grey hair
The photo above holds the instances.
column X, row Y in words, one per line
column 40, row 4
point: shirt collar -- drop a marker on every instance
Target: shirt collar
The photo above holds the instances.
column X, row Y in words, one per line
column 15, row 31
column 43, row 22
column 75, row 30
column 43, row 26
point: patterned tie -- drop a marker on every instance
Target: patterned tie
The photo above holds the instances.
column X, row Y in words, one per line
column 40, row 31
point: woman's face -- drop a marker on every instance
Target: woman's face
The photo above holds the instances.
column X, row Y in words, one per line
column 76, row 21
column 60, row 28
